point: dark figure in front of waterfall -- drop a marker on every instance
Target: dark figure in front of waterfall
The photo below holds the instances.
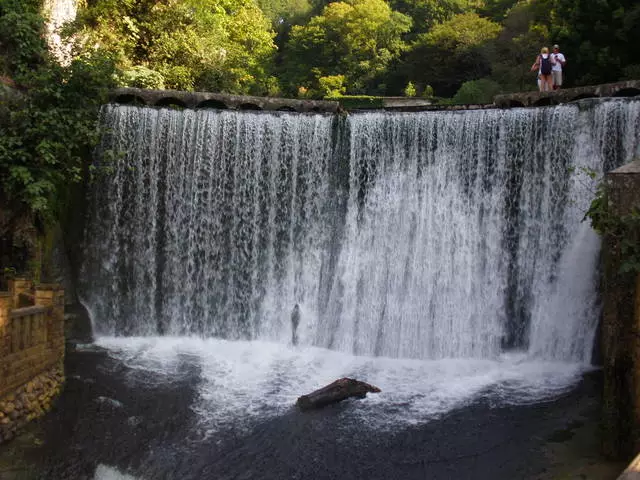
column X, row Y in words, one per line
column 295, row 321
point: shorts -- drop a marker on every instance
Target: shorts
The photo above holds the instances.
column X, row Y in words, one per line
column 557, row 77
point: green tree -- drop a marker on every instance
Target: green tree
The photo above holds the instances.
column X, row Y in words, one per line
column 477, row 92
column 427, row 13
column 357, row 39
column 48, row 131
column 332, row 86
column 599, row 38
column 453, row 52
column 284, row 13
column 410, row 90
column 222, row 45
column 515, row 50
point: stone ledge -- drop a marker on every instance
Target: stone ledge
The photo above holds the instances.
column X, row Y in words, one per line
column 27, row 311
column 632, row 168
column 632, row 472
column 629, row 88
column 176, row 98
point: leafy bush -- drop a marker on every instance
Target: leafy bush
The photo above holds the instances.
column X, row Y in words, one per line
column 477, row 91
column 410, row 90
column 623, row 229
column 142, row 77
column 427, row 92
column 354, row 102
column 332, row 86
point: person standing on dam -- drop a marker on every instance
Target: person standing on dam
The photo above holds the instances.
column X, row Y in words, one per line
column 556, row 71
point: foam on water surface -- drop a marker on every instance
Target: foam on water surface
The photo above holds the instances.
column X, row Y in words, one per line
column 104, row 472
column 242, row 382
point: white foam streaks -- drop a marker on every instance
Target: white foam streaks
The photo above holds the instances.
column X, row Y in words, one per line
column 242, row 382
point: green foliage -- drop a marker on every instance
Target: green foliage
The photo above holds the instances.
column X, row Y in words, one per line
column 357, row 39
column 332, row 86
column 624, row 229
column 598, row 38
column 22, row 44
column 428, row 13
column 284, row 12
column 218, row 45
column 410, row 90
column 300, row 47
column 47, row 132
column 142, row 77
column 9, row 272
column 453, row 52
column 517, row 46
column 427, row 92
column 462, row 33
column 477, row 91
column 354, row 102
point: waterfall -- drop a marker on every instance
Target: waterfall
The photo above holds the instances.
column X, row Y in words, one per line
column 59, row 12
column 419, row 235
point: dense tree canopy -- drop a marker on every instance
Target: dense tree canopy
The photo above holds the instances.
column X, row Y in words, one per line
column 464, row 50
column 221, row 45
column 45, row 134
column 356, row 39
column 320, row 47
column 452, row 52
column 601, row 38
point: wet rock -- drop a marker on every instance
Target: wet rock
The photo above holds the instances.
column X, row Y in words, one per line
column 109, row 402
column 335, row 392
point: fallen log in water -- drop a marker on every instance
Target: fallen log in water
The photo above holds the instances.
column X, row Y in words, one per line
column 335, row 392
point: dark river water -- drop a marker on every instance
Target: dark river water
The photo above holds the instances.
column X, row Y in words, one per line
column 125, row 414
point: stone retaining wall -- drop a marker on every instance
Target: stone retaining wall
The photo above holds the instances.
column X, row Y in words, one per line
column 621, row 325
column 31, row 353
column 29, row 401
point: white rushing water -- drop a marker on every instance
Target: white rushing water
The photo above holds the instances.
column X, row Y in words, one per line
column 440, row 256
column 59, row 12
column 416, row 235
column 244, row 382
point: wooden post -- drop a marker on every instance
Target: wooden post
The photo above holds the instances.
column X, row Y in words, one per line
column 6, row 301
column 18, row 286
column 52, row 295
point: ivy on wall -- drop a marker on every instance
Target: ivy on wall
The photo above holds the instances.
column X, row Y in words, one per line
column 623, row 229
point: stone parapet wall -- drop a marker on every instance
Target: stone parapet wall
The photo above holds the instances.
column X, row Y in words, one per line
column 629, row 88
column 163, row 98
column 31, row 352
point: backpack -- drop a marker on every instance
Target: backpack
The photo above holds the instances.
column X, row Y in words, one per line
column 545, row 65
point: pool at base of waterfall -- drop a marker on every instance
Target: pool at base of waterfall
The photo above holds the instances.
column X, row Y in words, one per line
column 190, row 408
column 241, row 382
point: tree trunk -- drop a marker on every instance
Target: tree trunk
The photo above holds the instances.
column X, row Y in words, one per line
column 335, row 392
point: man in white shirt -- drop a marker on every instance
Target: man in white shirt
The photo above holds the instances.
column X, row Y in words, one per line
column 556, row 69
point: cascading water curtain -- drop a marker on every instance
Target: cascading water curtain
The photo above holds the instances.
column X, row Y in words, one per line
column 202, row 216
column 420, row 235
